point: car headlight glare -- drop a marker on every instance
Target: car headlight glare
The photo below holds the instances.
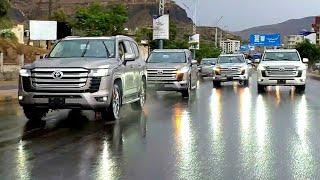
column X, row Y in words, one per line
column 183, row 70
column 100, row 72
column 25, row 73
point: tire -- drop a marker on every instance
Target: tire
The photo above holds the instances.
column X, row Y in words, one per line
column 245, row 83
column 216, row 84
column 187, row 93
column 138, row 106
column 301, row 88
column 35, row 114
column 261, row 89
column 113, row 111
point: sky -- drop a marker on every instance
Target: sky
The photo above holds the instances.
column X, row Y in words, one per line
column 243, row 14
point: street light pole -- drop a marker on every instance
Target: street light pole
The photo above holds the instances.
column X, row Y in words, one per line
column 161, row 13
column 216, row 34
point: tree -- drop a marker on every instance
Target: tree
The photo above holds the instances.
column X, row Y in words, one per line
column 99, row 20
column 60, row 16
column 308, row 50
column 207, row 50
column 4, row 8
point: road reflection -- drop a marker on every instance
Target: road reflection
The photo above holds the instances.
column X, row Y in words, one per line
column 303, row 164
column 22, row 165
column 185, row 146
column 216, row 122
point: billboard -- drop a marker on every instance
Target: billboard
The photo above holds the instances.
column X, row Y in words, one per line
column 43, row 30
column 161, row 27
column 194, row 41
column 265, row 39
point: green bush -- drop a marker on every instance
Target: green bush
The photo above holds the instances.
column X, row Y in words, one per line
column 8, row 34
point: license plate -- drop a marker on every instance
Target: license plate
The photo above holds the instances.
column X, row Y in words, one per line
column 229, row 78
column 57, row 101
column 281, row 81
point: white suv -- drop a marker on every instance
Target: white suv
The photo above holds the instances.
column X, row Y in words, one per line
column 282, row 67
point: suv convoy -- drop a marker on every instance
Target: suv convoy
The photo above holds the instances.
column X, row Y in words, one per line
column 282, row 68
column 231, row 67
column 206, row 67
column 172, row 70
column 98, row 73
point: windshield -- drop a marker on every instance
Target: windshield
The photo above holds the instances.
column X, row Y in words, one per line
column 208, row 61
column 84, row 48
column 281, row 56
column 231, row 59
column 167, row 57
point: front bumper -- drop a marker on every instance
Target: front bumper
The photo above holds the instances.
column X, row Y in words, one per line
column 88, row 101
column 168, row 86
column 226, row 78
column 289, row 81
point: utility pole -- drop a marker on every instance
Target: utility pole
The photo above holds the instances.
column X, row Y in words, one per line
column 216, row 34
column 49, row 9
column 161, row 13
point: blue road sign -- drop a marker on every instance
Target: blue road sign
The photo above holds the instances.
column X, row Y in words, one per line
column 246, row 48
column 265, row 39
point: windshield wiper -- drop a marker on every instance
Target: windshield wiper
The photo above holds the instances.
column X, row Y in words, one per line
column 85, row 50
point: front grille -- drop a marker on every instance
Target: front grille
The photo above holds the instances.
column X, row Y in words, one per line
column 230, row 71
column 281, row 71
column 162, row 75
column 74, row 78
column 95, row 84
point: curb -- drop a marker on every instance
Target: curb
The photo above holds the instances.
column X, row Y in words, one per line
column 314, row 76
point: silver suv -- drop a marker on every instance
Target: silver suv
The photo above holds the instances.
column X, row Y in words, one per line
column 96, row 73
column 172, row 70
column 231, row 67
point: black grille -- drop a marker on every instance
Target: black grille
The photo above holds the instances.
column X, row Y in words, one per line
column 26, row 83
column 299, row 73
column 94, row 84
column 263, row 73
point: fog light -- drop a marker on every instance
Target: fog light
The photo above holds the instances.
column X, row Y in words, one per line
column 105, row 99
column 101, row 99
column 20, row 98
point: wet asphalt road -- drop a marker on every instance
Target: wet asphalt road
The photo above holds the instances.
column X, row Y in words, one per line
column 227, row 133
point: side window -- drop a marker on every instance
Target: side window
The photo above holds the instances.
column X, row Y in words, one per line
column 128, row 47
column 121, row 50
column 135, row 49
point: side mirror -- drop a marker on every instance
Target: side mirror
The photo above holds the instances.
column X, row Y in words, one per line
column 305, row 60
column 129, row 57
column 193, row 62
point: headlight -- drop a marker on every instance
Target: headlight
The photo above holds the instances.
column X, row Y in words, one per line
column 301, row 68
column 25, row 73
column 183, row 70
column 217, row 70
column 100, row 72
column 261, row 68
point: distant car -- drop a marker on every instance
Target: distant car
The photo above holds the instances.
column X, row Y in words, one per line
column 282, row 67
column 172, row 70
column 231, row 67
column 206, row 67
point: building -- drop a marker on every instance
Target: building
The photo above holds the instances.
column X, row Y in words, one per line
column 291, row 41
column 230, row 46
column 316, row 27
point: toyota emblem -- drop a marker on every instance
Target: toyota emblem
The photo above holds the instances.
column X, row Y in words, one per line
column 281, row 69
column 160, row 72
column 57, row 74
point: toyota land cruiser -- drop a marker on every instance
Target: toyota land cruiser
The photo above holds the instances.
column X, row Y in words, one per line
column 98, row 73
column 282, row 68
column 231, row 67
column 172, row 70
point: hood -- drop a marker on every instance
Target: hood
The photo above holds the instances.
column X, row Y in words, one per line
column 233, row 65
column 88, row 63
column 166, row 65
column 281, row 63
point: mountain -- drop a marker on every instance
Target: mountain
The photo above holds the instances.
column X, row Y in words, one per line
column 290, row 27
